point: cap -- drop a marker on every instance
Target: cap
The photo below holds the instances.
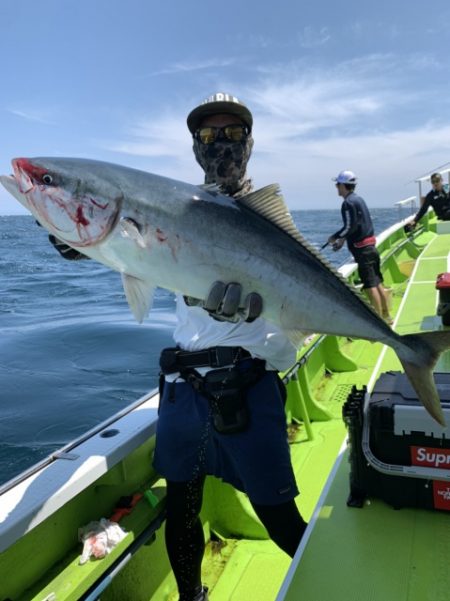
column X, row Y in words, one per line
column 216, row 104
column 436, row 177
column 345, row 177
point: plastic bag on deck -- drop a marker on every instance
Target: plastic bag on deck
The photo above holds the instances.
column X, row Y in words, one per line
column 99, row 538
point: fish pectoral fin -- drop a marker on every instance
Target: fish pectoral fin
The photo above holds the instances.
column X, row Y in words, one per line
column 130, row 229
column 296, row 337
column 139, row 295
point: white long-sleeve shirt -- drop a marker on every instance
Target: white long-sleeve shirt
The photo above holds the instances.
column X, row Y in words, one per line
column 197, row 330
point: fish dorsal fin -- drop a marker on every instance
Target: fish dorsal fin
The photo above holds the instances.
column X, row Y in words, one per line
column 269, row 203
column 139, row 295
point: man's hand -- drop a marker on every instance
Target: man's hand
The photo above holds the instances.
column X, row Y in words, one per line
column 338, row 243
column 65, row 250
column 409, row 227
column 223, row 302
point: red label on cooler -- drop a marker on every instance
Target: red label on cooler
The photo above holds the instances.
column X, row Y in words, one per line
column 429, row 457
column 441, row 494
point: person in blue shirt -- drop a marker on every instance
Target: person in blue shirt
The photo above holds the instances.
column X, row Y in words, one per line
column 358, row 232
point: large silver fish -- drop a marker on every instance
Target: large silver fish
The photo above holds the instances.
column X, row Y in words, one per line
column 161, row 232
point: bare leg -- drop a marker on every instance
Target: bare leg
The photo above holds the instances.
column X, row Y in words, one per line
column 375, row 299
column 384, row 298
column 380, row 302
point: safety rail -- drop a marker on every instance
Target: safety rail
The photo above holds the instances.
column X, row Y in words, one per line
column 426, row 178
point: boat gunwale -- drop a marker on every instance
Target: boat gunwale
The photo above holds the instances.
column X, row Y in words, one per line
column 21, row 510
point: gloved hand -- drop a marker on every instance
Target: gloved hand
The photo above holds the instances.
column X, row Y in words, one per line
column 338, row 244
column 223, row 303
column 65, row 250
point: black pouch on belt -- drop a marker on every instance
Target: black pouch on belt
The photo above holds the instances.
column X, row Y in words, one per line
column 227, row 398
column 226, row 389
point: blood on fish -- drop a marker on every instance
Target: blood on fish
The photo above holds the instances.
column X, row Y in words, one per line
column 160, row 236
column 81, row 219
column 97, row 204
column 31, row 170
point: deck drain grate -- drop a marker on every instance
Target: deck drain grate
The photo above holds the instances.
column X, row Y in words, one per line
column 341, row 393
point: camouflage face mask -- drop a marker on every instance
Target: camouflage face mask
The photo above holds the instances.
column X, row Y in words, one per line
column 225, row 164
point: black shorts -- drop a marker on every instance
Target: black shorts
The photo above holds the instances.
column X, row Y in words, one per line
column 368, row 261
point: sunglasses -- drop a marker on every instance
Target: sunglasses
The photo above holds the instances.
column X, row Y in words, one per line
column 232, row 133
column 436, row 181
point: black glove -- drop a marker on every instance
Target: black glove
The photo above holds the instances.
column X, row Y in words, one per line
column 223, row 303
column 65, row 250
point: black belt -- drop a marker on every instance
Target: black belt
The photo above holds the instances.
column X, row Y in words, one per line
column 172, row 359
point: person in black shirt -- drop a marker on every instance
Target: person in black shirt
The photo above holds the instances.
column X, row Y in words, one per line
column 358, row 232
column 437, row 198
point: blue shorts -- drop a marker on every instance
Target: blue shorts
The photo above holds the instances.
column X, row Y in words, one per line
column 256, row 461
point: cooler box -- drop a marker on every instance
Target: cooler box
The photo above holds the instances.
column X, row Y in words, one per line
column 398, row 453
column 443, row 309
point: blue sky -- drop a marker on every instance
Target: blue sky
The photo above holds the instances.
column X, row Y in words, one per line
column 332, row 85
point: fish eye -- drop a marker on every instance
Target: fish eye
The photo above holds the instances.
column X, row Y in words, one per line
column 47, row 178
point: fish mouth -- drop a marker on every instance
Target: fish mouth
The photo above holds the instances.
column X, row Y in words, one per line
column 22, row 175
column 10, row 184
column 80, row 219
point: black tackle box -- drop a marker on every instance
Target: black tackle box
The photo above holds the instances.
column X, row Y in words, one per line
column 398, row 452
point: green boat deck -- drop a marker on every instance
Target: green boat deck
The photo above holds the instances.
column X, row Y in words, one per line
column 377, row 553
column 371, row 554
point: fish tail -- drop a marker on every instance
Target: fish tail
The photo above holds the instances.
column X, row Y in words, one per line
column 418, row 355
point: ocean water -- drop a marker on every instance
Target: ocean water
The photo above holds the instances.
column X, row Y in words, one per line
column 71, row 354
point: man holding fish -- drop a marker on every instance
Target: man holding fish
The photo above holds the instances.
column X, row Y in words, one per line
column 249, row 287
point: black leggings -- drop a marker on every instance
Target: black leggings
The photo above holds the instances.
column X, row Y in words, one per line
column 184, row 532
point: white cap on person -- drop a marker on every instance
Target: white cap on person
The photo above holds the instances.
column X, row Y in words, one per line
column 345, row 177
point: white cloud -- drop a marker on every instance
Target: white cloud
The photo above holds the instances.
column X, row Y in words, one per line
column 190, row 66
column 153, row 137
column 32, row 115
column 313, row 38
column 310, row 124
column 385, row 164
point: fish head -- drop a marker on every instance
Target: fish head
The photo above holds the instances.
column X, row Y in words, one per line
column 72, row 198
